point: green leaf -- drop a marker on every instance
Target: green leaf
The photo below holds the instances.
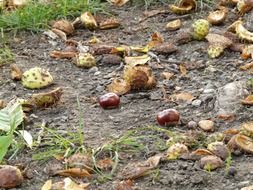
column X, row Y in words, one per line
column 5, row 142
column 11, row 117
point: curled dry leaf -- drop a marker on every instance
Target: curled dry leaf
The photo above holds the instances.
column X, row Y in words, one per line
column 124, row 185
column 2, row 104
column 10, row 176
column 64, row 26
column 118, row 2
column 244, row 143
column 165, row 49
column 244, row 6
column 16, row 72
column 183, row 96
column 176, row 150
column 217, row 17
column 63, row 54
column 219, row 149
column 247, row 52
column 217, row 44
column 247, row 66
column 182, row 69
column 139, row 77
column 119, row 86
column 211, row 162
column 184, row 6
column 80, row 161
column 89, row 21
column 139, row 169
column 105, row 164
column 156, row 39
column 73, row 172
column 167, row 75
column 47, row 99
column 85, row 60
column 109, row 24
column 174, row 25
column 248, row 100
column 134, row 61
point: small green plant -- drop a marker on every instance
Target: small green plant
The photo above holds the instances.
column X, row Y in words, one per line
column 228, row 162
column 6, row 55
column 10, row 118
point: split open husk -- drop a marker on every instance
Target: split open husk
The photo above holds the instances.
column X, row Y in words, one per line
column 88, row 21
column 217, row 17
column 119, row 86
column 183, row 7
column 244, row 143
column 241, row 31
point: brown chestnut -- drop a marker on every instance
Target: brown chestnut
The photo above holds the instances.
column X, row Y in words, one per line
column 109, row 100
column 168, row 117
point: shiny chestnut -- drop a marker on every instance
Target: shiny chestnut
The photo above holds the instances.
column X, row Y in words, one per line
column 168, row 117
column 109, row 100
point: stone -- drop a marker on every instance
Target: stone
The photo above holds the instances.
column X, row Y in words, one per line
column 206, row 125
column 196, row 103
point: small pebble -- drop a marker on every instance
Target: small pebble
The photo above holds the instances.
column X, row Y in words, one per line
column 93, row 70
column 208, row 91
column 191, row 125
column 206, row 125
column 196, row 103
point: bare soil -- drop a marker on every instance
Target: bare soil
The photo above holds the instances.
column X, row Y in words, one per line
column 137, row 109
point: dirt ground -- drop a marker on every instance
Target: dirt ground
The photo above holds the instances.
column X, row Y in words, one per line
column 137, row 109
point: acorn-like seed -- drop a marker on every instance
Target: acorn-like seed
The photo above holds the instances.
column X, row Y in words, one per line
column 109, row 100
column 168, row 117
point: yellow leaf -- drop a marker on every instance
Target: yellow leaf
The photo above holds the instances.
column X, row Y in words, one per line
column 47, row 185
column 140, row 60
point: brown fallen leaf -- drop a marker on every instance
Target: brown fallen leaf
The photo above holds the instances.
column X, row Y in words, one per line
column 248, row 100
column 74, row 172
column 167, row 75
column 102, row 49
column 182, row 69
column 105, row 164
column 16, row 72
column 109, row 24
column 63, row 54
column 2, row 104
column 183, row 96
column 165, row 49
column 156, row 39
column 124, row 185
column 247, row 66
column 118, row 2
column 80, row 161
column 138, row 169
column 119, row 86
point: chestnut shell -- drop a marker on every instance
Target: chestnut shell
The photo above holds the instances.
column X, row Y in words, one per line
column 168, row 117
column 109, row 100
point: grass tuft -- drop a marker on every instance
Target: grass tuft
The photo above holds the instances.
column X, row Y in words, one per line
column 36, row 16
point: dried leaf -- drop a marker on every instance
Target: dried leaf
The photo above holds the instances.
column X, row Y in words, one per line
column 47, row 185
column 16, row 72
column 173, row 25
column 63, row 54
column 47, row 99
column 118, row 2
column 247, row 66
column 27, row 137
column 109, row 24
column 182, row 69
column 139, row 169
column 199, row 153
column 140, row 60
column 156, row 39
column 183, row 96
column 80, row 161
column 124, row 185
column 2, row 104
column 247, row 52
column 74, row 172
column 119, row 86
column 167, row 75
column 105, row 164
column 165, row 49
column 248, row 100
